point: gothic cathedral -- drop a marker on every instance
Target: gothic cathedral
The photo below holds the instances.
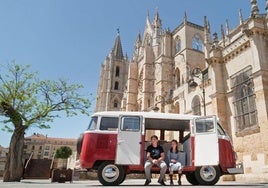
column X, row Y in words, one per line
column 190, row 70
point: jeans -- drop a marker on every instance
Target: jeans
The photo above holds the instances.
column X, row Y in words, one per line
column 147, row 168
column 175, row 166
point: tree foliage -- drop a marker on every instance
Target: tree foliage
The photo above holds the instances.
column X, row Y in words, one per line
column 26, row 101
column 63, row 152
column 25, row 98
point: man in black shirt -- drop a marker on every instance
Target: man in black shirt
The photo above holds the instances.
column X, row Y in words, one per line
column 155, row 156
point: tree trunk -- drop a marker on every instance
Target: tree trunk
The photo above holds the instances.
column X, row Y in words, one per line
column 14, row 165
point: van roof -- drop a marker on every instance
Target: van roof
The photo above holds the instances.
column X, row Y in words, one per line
column 153, row 115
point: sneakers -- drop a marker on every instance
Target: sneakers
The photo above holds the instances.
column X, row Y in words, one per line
column 147, row 182
column 161, row 182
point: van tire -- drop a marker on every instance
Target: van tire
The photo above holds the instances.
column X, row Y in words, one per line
column 123, row 179
column 191, row 178
column 207, row 175
column 110, row 174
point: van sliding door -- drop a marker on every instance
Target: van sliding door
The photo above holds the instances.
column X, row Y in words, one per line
column 206, row 147
column 129, row 140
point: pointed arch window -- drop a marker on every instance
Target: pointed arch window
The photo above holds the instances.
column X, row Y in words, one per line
column 244, row 100
column 116, row 85
column 115, row 104
column 117, row 71
column 196, row 105
column 178, row 45
column 197, row 43
column 177, row 78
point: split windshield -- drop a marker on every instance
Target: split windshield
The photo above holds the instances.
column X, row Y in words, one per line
column 93, row 123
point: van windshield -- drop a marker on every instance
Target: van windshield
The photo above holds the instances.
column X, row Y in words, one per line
column 109, row 123
column 93, row 123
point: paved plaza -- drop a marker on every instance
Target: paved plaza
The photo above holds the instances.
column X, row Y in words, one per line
column 128, row 182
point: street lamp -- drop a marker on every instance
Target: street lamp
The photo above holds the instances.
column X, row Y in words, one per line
column 196, row 72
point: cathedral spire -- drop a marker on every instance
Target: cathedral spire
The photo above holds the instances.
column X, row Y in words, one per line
column 148, row 19
column 117, row 49
column 241, row 20
column 206, row 30
column 222, row 32
column 227, row 27
column 222, row 35
column 138, row 41
column 254, row 8
column 185, row 18
column 148, row 23
column 157, row 20
column 205, row 22
column 266, row 8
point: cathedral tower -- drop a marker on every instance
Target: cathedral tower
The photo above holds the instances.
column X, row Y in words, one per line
column 112, row 79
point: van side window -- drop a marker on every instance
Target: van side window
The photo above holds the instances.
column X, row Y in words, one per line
column 109, row 123
column 204, row 126
column 93, row 123
column 130, row 124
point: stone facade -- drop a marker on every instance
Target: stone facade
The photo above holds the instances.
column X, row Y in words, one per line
column 190, row 70
column 43, row 147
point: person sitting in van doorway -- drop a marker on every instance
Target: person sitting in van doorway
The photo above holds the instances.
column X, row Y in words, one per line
column 175, row 161
column 155, row 156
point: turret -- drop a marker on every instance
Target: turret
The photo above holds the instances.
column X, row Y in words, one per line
column 254, row 8
column 156, row 35
column 157, row 29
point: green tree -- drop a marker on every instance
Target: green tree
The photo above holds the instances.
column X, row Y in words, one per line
column 26, row 101
column 63, row 152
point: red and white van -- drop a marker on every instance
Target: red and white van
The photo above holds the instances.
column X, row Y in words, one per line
column 115, row 142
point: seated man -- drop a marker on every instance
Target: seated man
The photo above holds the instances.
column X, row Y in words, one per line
column 155, row 156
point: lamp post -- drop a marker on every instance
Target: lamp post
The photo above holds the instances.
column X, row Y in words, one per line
column 196, row 72
column 162, row 101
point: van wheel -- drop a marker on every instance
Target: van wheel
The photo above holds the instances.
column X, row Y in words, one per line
column 207, row 175
column 110, row 174
column 191, row 178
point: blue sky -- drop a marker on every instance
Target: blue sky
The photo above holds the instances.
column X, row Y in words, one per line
column 70, row 38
